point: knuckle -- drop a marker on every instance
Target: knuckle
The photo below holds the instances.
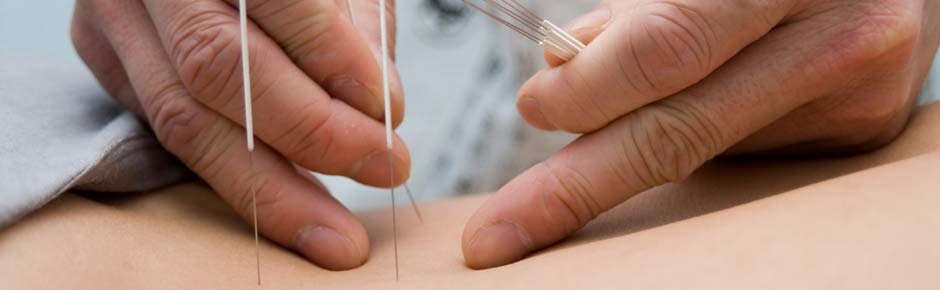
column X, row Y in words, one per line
column 668, row 141
column 206, row 157
column 258, row 190
column 310, row 139
column 574, row 195
column 303, row 38
column 873, row 110
column 865, row 119
column 172, row 117
column 576, row 109
column 872, row 32
column 671, row 40
column 204, row 45
column 180, row 129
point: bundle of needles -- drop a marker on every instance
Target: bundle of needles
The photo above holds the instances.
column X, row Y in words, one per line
column 517, row 17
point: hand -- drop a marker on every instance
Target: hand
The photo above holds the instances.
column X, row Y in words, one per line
column 317, row 99
column 665, row 85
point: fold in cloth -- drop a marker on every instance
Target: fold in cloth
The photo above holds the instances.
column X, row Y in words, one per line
column 60, row 130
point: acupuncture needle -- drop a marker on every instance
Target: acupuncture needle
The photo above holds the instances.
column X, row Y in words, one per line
column 525, row 22
column 249, row 125
column 386, row 94
column 249, row 129
column 414, row 205
column 389, row 131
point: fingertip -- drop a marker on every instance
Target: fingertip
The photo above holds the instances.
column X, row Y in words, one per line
column 531, row 111
column 553, row 60
column 295, row 210
column 402, row 159
column 524, row 216
column 333, row 249
column 331, row 236
column 402, row 162
column 531, row 100
column 496, row 244
column 374, row 169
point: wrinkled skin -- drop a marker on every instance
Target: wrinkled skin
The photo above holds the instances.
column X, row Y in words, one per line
column 665, row 85
column 317, row 100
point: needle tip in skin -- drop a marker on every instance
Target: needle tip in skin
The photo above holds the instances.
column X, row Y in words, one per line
column 249, row 124
column 391, row 170
column 414, row 204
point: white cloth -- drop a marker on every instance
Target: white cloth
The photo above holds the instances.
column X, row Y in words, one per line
column 59, row 130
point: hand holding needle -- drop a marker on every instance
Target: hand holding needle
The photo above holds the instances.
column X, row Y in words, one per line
column 249, row 124
column 180, row 61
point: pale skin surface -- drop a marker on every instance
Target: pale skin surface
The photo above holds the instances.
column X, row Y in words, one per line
column 799, row 226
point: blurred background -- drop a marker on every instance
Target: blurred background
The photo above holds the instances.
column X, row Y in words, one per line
column 40, row 27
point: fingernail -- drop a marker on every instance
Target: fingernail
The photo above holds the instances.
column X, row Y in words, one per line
column 498, row 244
column 531, row 108
column 354, row 93
column 594, row 20
column 327, row 248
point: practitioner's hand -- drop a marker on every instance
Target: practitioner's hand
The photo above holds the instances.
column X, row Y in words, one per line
column 665, row 85
column 317, row 92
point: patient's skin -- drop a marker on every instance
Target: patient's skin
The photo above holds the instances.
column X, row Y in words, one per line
column 874, row 229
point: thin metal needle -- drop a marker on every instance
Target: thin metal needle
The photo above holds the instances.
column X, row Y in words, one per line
column 388, row 121
column 547, row 35
column 391, row 170
column 518, row 29
column 414, row 205
column 254, row 217
column 249, row 125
